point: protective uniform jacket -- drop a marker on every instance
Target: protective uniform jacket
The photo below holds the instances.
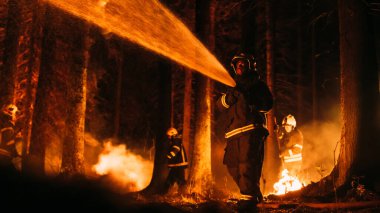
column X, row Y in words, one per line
column 291, row 145
column 245, row 116
column 249, row 110
column 7, row 136
column 177, row 155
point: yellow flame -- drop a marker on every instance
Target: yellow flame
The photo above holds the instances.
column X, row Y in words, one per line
column 150, row 24
column 287, row 183
column 128, row 169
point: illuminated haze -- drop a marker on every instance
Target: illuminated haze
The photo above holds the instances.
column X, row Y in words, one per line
column 320, row 145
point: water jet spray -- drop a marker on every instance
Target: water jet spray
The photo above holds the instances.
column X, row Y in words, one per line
column 151, row 25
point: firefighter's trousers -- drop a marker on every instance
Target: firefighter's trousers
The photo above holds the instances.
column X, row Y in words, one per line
column 244, row 159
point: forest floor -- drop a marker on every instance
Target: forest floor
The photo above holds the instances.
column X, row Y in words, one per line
column 183, row 204
column 21, row 194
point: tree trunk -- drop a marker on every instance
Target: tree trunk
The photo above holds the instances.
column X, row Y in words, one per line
column 8, row 73
column 73, row 144
column 270, row 170
column 314, row 75
column 183, row 77
column 200, row 170
column 116, row 63
column 4, row 11
column 23, row 34
column 28, row 66
column 160, row 169
column 47, row 126
column 34, row 71
column 299, row 90
column 58, row 119
column 248, row 26
column 359, row 94
column 187, row 108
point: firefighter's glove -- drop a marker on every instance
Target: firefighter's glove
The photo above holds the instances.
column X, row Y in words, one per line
column 239, row 87
column 170, row 155
column 231, row 97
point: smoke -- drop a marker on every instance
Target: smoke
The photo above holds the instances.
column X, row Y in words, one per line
column 320, row 149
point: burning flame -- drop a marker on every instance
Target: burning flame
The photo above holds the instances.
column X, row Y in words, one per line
column 127, row 169
column 287, row 183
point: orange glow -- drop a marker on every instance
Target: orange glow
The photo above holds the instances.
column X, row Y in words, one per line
column 129, row 170
column 287, row 183
column 151, row 25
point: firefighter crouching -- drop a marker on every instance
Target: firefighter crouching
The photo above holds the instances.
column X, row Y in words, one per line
column 177, row 160
column 245, row 106
column 9, row 137
column 291, row 144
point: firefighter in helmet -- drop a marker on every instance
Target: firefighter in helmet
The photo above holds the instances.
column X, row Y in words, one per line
column 245, row 107
column 9, row 137
column 291, row 143
column 177, row 160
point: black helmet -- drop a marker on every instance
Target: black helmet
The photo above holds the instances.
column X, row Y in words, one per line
column 244, row 57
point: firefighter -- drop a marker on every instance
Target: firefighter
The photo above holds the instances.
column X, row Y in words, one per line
column 245, row 106
column 177, row 160
column 9, row 137
column 291, row 144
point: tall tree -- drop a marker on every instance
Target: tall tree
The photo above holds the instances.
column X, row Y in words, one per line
column 314, row 72
column 200, row 170
column 359, row 93
column 160, row 170
column 73, row 143
column 10, row 38
column 183, row 77
column 116, row 63
column 270, row 170
column 248, row 26
column 3, row 34
column 28, row 65
column 359, row 101
column 299, row 90
column 3, row 25
column 187, row 109
column 58, row 120
column 21, row 52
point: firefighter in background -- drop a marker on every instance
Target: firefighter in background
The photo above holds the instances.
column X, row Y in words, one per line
column 9, row 137
column 245, row 106
column 291, row 143
column 177, row 160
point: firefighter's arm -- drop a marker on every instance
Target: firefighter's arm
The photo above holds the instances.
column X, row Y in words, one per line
column 227, row 99
column 7, row 136
column 174, row 149
column 297, row 142
column 297, row 148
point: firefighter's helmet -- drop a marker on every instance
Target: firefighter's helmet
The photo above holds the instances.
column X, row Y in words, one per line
column 171, row 132
column 289, row 120
column 251, row 61
column 10, row 109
